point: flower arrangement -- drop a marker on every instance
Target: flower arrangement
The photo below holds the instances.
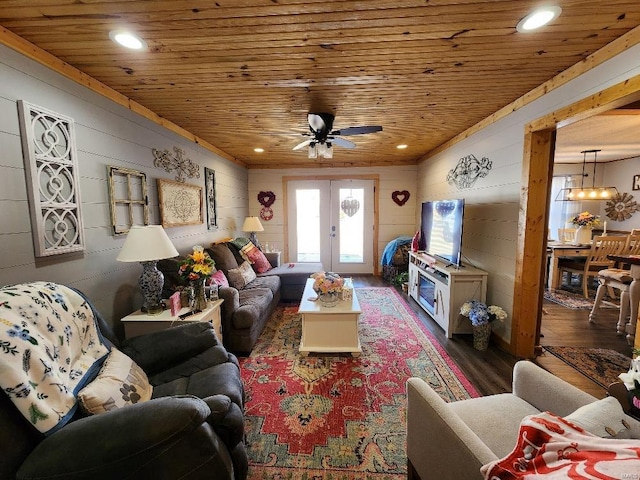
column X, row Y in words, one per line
column 585, row 219
column 327, row 282
column 197, row 266
column 480, row 314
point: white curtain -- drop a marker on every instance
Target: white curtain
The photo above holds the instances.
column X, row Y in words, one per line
column 561, row 212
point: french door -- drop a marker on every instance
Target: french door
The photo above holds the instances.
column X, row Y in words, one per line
column 331, row 221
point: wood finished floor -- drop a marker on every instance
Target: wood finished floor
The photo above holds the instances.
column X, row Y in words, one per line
column 490, row 371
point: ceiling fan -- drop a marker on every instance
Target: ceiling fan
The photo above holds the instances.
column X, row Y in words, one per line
column 323, row 137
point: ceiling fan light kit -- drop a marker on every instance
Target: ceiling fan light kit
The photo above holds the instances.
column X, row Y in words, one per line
column 572, row 194
column 323, row 137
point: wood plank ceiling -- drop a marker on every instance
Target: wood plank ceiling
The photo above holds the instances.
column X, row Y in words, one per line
column 244, row 73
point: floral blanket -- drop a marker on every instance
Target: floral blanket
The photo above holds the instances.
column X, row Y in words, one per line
column 550, row 447
column 50, row 347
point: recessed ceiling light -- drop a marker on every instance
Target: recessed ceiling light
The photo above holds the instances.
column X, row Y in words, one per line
column 401, row 146
column 538, row 18
column 127, row 39
column 258, row 150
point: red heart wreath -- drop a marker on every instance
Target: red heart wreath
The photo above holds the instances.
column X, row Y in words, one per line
column 266, row 199
column 400, row 197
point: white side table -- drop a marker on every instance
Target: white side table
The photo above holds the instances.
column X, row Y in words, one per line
column 140, row 323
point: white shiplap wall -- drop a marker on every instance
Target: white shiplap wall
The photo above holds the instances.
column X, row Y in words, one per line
column 492, row 204
column 393, row 219
column 107, row 134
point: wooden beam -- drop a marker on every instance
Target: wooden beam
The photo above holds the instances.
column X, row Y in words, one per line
column 537, row 171
column 35, row 53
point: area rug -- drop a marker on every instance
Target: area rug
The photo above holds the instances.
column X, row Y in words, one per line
column 334, row 416
column 600, row 365
column 574, row 301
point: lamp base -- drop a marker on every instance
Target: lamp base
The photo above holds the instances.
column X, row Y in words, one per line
column 254, row 240
column 151, row 281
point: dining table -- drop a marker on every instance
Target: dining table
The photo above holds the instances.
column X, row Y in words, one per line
column 633, row 335
column 557, row 250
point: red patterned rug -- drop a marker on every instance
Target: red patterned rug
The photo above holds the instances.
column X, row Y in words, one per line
column 333, row 416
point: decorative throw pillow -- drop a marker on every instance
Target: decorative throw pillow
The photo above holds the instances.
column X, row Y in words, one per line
column 604, row 418
column 254, row 255
column 239, row 277
column 223, row 257
column 219, row 279
column 120, row 382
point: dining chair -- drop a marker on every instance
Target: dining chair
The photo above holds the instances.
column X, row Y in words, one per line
column 595, row 260
column 619, row 279
column 566, row 235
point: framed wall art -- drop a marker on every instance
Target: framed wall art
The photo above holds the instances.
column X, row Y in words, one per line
column 53, row 185
column 180, row 203
column 210, row 195
column 127, row 198
column 636, row 182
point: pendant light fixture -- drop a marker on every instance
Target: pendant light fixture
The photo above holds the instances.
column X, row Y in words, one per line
column 586, row 193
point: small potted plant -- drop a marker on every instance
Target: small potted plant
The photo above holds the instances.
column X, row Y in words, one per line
column 481, row 317
column 402, row 280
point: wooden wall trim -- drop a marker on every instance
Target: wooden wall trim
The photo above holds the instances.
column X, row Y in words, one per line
column 376, row 208
column 607, row 52
column 52, row 62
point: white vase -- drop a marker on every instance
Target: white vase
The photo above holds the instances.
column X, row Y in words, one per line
column 583, row 235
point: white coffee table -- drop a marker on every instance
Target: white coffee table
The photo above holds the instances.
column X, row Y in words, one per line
column 329, row 329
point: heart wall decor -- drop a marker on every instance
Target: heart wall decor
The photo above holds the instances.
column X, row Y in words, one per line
column 400, row 197
column 266, row 199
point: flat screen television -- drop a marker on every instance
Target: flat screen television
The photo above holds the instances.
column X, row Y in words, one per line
column 441, row 229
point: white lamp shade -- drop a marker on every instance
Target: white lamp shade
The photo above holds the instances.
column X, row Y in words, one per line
column 252, row 224
column 144, row 244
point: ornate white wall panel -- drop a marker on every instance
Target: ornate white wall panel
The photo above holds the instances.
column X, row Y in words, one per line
column 49, row 151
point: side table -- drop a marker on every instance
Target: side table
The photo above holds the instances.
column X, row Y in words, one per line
column 140, row 323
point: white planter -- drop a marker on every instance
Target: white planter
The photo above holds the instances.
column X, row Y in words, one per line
column 583, row 235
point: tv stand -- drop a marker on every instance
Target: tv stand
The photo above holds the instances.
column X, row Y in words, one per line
column 441, row 289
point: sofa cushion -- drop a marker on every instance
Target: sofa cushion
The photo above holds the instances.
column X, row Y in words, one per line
column 604, row 418
column 272, row 283
column 494, row 419
column 120, row 382
column 241, row 276
column 253, row 302
column 223, row 257
column 220, row 279
column 254, row 255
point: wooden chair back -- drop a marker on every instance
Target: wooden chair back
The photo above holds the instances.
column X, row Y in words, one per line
column 635, row 231
column 632, row 247
column 596, row 259
column 566, row 235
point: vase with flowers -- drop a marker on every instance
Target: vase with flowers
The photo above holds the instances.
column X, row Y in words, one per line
column 195, row 269
column 584, row 222
column 481, row 317
column 328, row 286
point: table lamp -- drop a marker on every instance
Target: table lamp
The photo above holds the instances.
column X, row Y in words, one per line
column 147, row 245
column 253, row 225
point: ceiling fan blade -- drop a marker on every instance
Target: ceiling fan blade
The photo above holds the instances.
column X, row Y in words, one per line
column 302, row 144
column 358, row 130
column 341, row 142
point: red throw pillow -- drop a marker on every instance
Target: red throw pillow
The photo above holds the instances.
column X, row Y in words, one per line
column 254, row 255
column 219, row 279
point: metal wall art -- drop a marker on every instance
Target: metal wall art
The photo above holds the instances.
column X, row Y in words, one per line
column 180, row 203
column 210, row 195
column 621, row 207
column 468, row 170
column 53, row 186
column 178, row 163
column 127, row 198
column 400, row 197
column 350, row 206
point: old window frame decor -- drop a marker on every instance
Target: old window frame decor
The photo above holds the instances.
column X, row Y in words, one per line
column 53, row 185
column 180, row 203
column 135, row 201
column 210, row 194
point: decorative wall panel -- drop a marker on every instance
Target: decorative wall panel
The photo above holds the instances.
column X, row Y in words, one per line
column 180, row 203
column 51, row 166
